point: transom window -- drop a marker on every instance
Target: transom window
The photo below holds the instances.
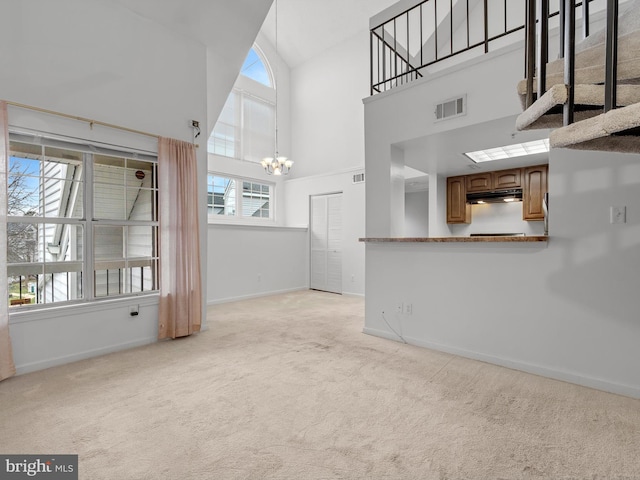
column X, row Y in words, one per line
column 234, row 197
column 82, row 221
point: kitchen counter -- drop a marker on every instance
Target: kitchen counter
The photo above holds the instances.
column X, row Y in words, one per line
column 487, row 239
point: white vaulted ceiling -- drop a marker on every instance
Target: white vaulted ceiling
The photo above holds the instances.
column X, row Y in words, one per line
column 306, row 28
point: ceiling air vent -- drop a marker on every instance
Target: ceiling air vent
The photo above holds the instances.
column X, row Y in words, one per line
column 451, row 108
column 358, row 178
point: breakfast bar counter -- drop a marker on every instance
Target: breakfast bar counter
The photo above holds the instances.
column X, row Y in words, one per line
column 475, row 239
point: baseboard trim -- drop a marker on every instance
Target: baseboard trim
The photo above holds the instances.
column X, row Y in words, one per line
column 352, row 294
column 254, row 295
column 97, row 352
column 562, row 375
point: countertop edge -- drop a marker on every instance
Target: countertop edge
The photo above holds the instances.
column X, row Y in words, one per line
column 488, row 239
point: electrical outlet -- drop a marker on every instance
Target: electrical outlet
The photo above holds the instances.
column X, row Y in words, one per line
column 399, row 308
column 259, row 276
column 408, row 308
column 618, row 214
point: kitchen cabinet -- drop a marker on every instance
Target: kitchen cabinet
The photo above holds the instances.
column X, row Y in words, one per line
column 487, row 181
column 533, row 190
column 507, row 178
column 532, row 180
column 458, row 210
column 478, row 182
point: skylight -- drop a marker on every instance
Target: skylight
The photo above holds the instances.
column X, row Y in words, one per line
column 509, row 151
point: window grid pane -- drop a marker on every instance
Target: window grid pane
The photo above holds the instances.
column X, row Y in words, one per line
column 255, row 200
column 221, row 192
column 44, row 262
column 124, row 189
column 44, row 181
column 125, row 259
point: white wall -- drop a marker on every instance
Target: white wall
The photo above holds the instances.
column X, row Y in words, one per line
column 326, row 109
column 61, row 335
column 406, row 113
column 353, row 198
column 68, row 57
column 566, row 309
column 323, row 119
column 416, row 214
column 498, row 218
column 252, row 261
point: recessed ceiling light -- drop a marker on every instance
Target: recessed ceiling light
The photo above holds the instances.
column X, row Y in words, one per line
column 509, row 151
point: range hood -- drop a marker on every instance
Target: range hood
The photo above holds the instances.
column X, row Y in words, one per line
column 495, row 196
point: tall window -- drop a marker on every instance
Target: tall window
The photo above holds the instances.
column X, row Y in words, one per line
column 246, row 126
column 82, row 221
column 237, row 197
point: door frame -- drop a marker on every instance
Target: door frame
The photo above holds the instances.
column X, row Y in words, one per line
column 310, row 209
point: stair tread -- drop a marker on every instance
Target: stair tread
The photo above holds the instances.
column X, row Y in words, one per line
column 627, row 49
column 628, row 73
column 586, row 95
column 599, row 133
column 590, row 67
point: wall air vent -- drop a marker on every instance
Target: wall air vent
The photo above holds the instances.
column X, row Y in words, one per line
column 453, row 107
column 358, row 178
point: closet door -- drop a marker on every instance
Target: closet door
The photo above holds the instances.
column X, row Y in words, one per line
column 326, row 243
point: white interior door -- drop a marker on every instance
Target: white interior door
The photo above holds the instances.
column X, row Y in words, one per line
column 326, row 243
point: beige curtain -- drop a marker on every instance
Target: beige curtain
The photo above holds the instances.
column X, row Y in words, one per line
column 180, row 282
column 7, row 368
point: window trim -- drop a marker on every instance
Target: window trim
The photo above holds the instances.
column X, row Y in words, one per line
column 238, row 218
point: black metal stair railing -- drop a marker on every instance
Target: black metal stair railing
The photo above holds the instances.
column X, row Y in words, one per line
column 400, row 49
column 436, row 30
column 537, row 50
column 395, row 68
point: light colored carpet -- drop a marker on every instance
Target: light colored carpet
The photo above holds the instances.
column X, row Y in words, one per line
column 287, row 387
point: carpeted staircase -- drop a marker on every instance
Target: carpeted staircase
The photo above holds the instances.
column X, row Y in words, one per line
column 616, row 130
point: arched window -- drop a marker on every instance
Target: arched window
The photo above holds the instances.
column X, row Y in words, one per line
column 254, row 68
column 246, row 127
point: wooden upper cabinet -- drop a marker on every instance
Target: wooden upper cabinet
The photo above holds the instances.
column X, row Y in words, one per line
column 458, row 210
column 507, row 178
column 479, row 182
column 533, row 190
column 532, row 180
column 487, row 181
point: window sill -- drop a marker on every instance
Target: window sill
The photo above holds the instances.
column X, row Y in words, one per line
column 266, row 226
column 231, row 220
column 19, row 315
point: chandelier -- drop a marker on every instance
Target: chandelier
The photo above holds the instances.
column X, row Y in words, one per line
column 276, row 165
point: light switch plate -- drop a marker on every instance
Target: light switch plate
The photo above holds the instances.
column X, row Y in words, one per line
column 618, row 214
